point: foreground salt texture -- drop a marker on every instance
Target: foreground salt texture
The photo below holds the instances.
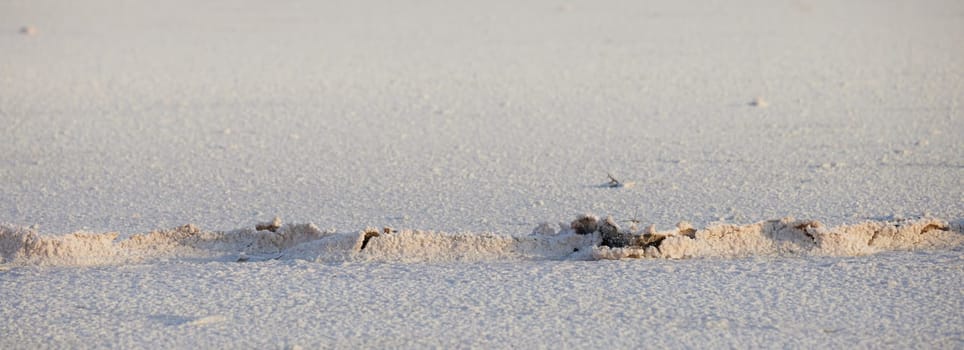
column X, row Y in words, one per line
column 888, row 300
column 785, row 237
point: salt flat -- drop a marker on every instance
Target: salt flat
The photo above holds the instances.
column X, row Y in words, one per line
column 903, row 300
column 481, row 117
column 486, row 116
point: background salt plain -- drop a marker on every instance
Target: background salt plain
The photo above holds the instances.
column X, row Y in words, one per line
column 481, row 116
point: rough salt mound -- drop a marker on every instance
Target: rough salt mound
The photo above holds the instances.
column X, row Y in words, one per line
column 434, row 246
column 794, row 237
column 23, row 246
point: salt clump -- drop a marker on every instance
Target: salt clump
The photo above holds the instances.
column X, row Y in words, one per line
column 28, row 30
column 759, row 102
column 272, row 226
column 585, row 224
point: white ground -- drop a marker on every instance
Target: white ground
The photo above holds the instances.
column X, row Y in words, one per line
column 885, row 301
column 481, row 116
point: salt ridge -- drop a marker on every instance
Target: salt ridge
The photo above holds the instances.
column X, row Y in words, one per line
column 785, row 237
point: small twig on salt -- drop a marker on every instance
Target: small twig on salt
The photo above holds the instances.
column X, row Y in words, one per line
column 614, row 183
